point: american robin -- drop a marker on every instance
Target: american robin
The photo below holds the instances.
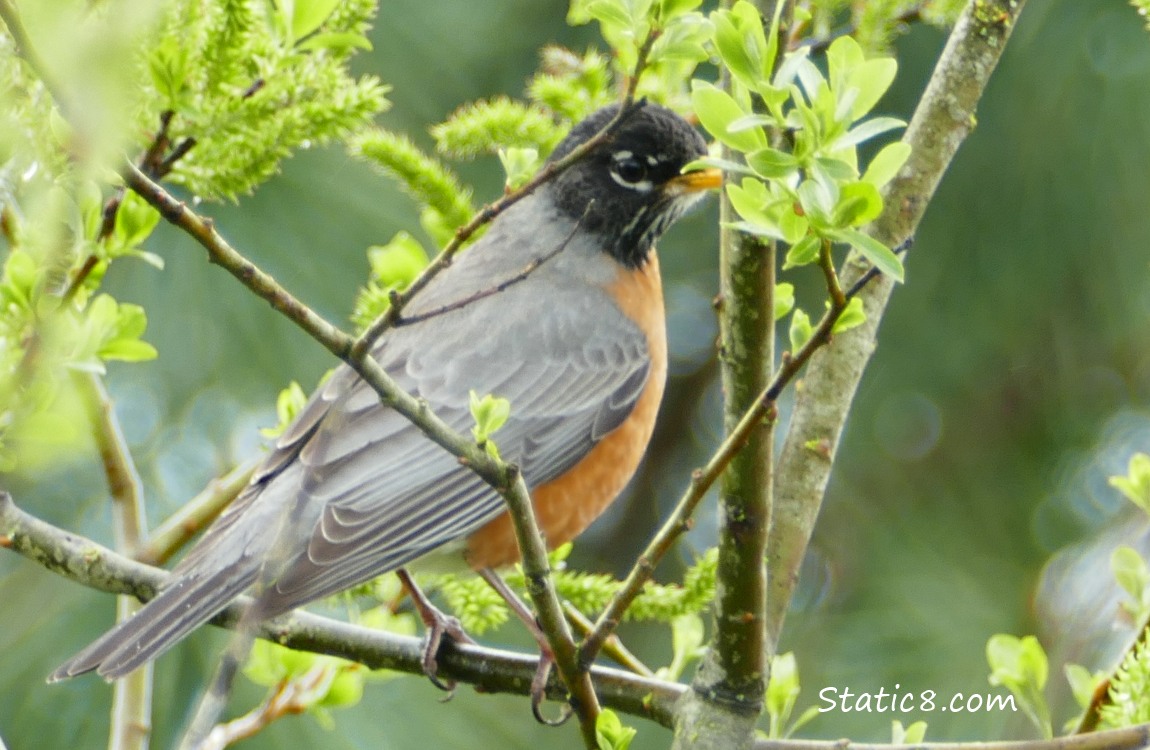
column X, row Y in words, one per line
column 578, row 347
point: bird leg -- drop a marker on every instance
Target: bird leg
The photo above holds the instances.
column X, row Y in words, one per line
column 438, row 625
column 546, row 657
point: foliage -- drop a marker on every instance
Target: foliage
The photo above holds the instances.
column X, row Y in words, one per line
column 252, row 81
column 480, row 609
column 393, row 267
column 1135, row 485
column 490, row 413
column 800, row 181
column 782, row 693
column 1020, row 665
column 1129, row 694
column 611, row 733
column 217, row 95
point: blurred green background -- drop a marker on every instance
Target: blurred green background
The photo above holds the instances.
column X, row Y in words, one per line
column 1012, row 377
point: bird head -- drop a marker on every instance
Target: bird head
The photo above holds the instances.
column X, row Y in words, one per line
column 630, row 188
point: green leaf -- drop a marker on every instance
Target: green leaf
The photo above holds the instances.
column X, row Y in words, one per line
column 749, row 199
column 770, row 232
column 800, row 331
column 782, row 692
column 519, row 165
column 864, row 132
column 731, row 47
column 794, row 227
column 135, row 221
column 1020, row 665
column 784, row 299
column 670, row 8
column 346, row 689
column 610, row 13
column 912, row 735
column 716, row 110
column 835, row 169
column 872, row 79
column 308, row 15
column 748, row 122
column 726, row 165
column 886, row 163
column 772, row 163
column 1135, row 486
column 852, row 316
column 881, row 256
column 611, row 733
column 490, row 413
column 1133, row 575
column 817, row 201
column 1082, row 683
column 19, row 281
column 804, row 252
column 337, row 41
column 289, row 403
column 843, row 56
column 127, row 350
column 396, row 264
column 859, row 203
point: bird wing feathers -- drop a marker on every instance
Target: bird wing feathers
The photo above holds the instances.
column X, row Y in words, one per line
column 353, row 489
column 572, row 375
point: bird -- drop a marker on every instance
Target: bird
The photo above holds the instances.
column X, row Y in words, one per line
column 352, row 490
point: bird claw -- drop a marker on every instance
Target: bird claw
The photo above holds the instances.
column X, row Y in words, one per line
column 539, row 692
column 438, row 625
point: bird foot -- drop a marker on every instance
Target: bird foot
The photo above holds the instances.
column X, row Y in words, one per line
column 438, row 625
column 546, row 657
column 539, row 691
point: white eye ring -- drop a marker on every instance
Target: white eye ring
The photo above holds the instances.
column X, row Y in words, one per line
column 629, row 172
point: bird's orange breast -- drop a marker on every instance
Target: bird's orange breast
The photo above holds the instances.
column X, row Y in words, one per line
column 568, row 504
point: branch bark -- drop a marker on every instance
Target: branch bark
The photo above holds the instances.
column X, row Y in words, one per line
column 942, row 120
column 488, row 669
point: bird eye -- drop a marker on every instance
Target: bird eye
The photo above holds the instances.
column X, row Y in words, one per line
column 630, row 170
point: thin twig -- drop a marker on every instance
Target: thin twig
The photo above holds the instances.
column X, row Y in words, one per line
column 132, row 696
column 526, row 271
column 290, row 697
column 193, row 516
column 612, row 647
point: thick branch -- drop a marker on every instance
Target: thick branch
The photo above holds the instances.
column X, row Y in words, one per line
column 941, row 122
column 490, row 670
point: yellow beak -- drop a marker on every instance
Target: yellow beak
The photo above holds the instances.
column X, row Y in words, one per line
column 693, row 182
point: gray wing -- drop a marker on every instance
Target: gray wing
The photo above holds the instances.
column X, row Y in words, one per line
column 572, row 367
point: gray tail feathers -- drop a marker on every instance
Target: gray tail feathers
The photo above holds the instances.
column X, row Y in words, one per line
column 178, row 609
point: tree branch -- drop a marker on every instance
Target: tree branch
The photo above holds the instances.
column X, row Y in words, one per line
column 943, row 119
column 489, row 670
column 132, row 696
column 194, row 515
